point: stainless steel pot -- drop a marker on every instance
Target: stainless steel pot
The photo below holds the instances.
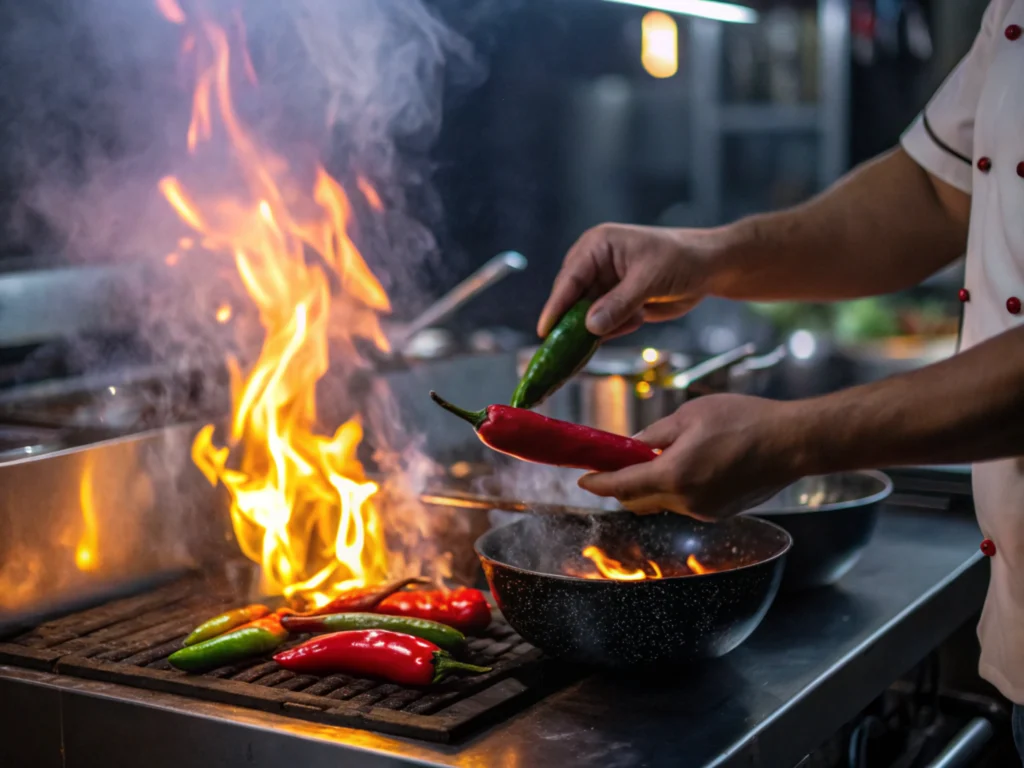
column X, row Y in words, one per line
column 623, row 390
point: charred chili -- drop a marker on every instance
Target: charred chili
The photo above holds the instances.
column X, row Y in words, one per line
column 564, row 352
column 464, row 608
column 364, row 598
column 532, row 437
column 225, row 622
column 446, row 637
column 259, row 636
column 393, row 656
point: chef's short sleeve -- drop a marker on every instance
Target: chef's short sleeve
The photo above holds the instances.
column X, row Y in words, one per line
column 941, row 138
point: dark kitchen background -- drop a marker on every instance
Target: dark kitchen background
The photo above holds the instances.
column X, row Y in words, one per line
column 567, row 128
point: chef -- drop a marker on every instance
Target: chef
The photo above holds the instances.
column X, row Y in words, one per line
column 955, row 182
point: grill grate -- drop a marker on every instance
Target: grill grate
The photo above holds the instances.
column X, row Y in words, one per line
column 128, row 642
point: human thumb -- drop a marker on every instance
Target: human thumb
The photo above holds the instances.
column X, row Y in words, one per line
column 618, row 306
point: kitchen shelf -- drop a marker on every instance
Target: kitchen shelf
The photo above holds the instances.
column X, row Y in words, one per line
column 714, row 121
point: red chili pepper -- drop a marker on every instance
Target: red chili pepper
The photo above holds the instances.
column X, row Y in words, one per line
column 402, row 659
column 363, row 598
column 464, row 609
column 532, row 437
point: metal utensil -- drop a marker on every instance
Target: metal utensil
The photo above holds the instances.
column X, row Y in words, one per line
column 490, row 273
column 649, row 621
column 465, row 500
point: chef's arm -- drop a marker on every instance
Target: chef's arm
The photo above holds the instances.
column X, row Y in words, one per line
column 967, row 408
column 883, row 227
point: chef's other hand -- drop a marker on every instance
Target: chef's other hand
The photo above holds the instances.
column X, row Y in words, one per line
column 721, row 455
column 640, row 274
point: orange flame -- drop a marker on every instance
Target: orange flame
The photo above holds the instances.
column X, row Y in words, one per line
column 610, row 568
column 369, row 193
column 301, row 505
column 695, row 565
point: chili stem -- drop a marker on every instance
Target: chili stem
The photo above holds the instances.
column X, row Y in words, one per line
column 445, row 664
column 476, row 418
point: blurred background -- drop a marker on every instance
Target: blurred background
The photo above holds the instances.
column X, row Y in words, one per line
column 673, row 112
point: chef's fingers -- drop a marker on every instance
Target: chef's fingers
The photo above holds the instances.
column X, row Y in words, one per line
column 662, row 433
column 613, row 310
column 575, row 279
column 661, row 502
column 662, row 311
column 630, row 483
column 633, row 324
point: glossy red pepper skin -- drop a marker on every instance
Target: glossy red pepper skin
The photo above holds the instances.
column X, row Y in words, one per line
column 392, row 656
column 363, row 599
column 464, row 609
column 538, row 439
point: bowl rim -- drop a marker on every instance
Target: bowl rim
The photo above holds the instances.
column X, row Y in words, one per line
column 787, row 539
column 763, row 510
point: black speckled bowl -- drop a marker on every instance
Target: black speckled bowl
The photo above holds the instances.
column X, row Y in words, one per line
column 626, row 623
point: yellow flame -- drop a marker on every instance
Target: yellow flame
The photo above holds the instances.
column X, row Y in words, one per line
column 610, row 568
column 301, row 505
column 223, row 313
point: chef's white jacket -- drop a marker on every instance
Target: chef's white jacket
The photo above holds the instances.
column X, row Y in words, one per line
column 971, row 135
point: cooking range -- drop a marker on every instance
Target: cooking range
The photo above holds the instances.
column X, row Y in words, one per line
column 92, row 686
column 128, row 641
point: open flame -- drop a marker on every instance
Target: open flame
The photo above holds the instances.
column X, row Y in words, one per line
column 608, row 567
column 301, row 505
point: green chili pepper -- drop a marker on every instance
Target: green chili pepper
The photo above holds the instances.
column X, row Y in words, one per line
column 218, row 625
column 260, row 636
column 439, row 634
column 564, row 352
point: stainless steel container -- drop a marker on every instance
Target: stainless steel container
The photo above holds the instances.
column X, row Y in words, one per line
column 623, row 390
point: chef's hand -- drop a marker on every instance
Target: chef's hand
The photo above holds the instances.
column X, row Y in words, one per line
column 641, row 274
column 721, row 455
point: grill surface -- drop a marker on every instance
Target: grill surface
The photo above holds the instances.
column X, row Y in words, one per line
column 128, row 642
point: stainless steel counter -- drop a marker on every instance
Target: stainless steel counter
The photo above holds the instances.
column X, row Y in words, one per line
column 814, row 663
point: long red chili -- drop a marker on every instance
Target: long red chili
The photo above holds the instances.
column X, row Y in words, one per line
column 402, row 659
column 363, row 598
column 532, row 437
column 464, row 609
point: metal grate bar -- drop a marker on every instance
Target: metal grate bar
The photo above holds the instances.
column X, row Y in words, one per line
column 128, row 642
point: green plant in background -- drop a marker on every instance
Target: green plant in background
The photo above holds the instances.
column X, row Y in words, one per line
column 864, row 320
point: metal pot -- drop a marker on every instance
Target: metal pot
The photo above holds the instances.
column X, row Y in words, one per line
column 623, row 390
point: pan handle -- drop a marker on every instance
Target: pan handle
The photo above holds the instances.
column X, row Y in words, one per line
column 490, row 273
column 683, row 380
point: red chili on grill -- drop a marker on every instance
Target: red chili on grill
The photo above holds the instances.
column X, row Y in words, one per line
column 363, row 598
column 532, row 437
column 464, row 609
column 402, row 659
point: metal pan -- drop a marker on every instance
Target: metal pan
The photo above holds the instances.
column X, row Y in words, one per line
column 831, row 519
column 670, row 620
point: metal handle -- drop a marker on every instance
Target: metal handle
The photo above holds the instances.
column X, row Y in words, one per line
column 462, row 500
column 490, row 273
column 965, row 746
column 684, row 379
